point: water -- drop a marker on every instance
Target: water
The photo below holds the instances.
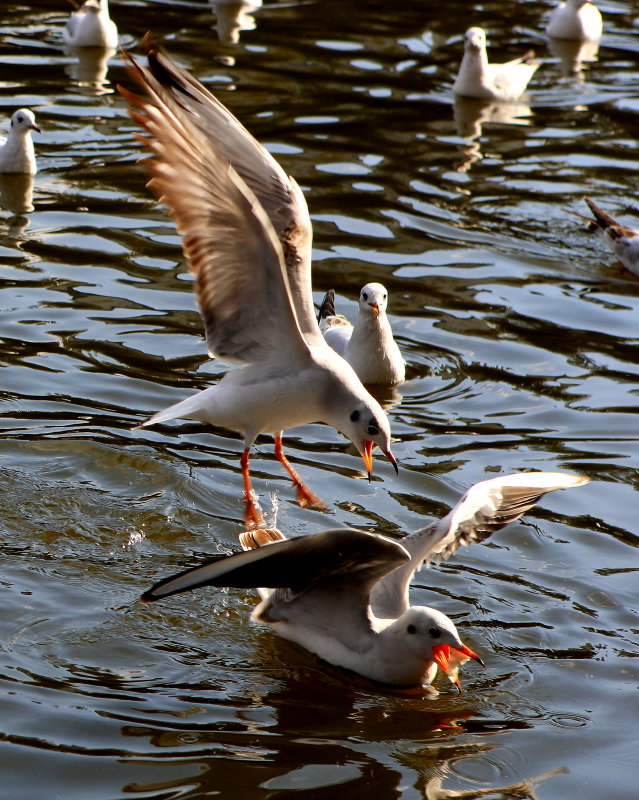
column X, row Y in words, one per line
column 520, row 334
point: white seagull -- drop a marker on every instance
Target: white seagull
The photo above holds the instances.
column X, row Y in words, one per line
column 368, row 346
column 579, row 20
column 344, row 594
column 477, row 78
column 91, row 26
column 624, row 242
column 17, row 153
column 246, row 234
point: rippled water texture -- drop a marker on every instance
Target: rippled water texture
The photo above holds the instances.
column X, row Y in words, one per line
column 520, row 332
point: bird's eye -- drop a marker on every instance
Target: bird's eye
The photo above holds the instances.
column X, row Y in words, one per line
column 364, row 295
column 355, row 415
column 434, row 633
column 385, row 296
column 373, row 428
column 411, row 629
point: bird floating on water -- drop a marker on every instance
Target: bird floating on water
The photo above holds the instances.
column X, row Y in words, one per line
column 246, row 234
column 578, row 20
column 477, row 78
column 368, row 346
column 17, row 153
column 623, row 241
column 91, row 26
column 344, row 594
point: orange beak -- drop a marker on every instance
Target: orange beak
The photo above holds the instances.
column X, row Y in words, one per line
column 375, row 307
column 441, row 654
column 367, row 455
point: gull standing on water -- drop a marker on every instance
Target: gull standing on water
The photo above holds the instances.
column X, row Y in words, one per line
column 91, row 26
column 624, row 242
column 477, row 78
column 17, row 154
column 368, row 346
column 344, row 594
column 246, row 234
column 578, row 20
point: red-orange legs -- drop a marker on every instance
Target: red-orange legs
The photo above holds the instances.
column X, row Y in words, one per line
column 252, row 513
column 305, row 497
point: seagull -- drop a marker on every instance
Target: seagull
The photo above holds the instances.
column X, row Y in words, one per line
column 17, row 154
column 344, row 594
column 368, row 346
column 477, row 78
column 579, row 20
column 246, row 234
column 91, row 26
column 624, row 242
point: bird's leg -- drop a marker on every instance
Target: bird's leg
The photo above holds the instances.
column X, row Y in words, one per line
column 304, row 495
column 252, row 512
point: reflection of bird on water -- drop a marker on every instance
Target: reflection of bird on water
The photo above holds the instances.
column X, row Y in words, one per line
column 247, row 236
column 91, row 26
column 17, row 153
column 16, row 196
column 344, row 594
column 623, row 241
column 573, row 54
column 368, row 346
column 478, row 78
column 233, row 17
column 579, row 20
column 91, row 67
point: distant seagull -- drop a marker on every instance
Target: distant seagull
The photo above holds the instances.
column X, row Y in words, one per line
column 368, row 346
column 624, row 242
column 344, row 594
column 477, row 78
column 579, row 20
column 91, row 26
column 246, row 234
column 17, row 154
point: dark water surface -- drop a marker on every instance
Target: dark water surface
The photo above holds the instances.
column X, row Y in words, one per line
column 520, row 332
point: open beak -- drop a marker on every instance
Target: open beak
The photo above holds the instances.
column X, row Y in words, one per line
column 450, row 664
column 391, row 458
column 367, row 455
column 375, row 307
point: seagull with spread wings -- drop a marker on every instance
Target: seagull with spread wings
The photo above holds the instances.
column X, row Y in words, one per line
column 246, row 234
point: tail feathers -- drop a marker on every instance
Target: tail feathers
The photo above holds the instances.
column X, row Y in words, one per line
column 189, row 408
column 252, row 540
column 327, row 308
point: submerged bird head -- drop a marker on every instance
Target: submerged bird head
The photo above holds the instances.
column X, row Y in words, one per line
column 373, row 299
column 23, row 121
column 475, row 39
column 429, row 636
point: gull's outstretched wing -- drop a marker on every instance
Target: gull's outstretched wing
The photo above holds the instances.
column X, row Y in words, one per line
column 228, row 239
column 322, row 580
column 485, row 508
column 278, row 193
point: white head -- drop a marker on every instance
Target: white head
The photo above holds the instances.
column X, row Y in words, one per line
column 427, row 636
column 475, row 39
column 373, row 299
column 23, row 121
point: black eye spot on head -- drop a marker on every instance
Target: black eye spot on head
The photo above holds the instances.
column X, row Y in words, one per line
column 373, row 427
column 411, row 629
column 434, row 633
column 364, row 295
column 355, row 416
column 385, row 296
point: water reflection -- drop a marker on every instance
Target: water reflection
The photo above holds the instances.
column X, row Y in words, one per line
column 90, row 68
column 572, row 55
column 16, row 196
column 233, row 17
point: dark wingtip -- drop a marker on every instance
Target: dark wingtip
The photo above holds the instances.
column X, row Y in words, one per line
column 327, row 307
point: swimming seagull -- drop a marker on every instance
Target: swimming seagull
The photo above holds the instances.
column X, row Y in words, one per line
column 91, row 26
column 368, row 346
column 477, row 78
column 344, row 594
column 624, row 242
column 246, row 234
column 578, row 20
column 17, row 154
